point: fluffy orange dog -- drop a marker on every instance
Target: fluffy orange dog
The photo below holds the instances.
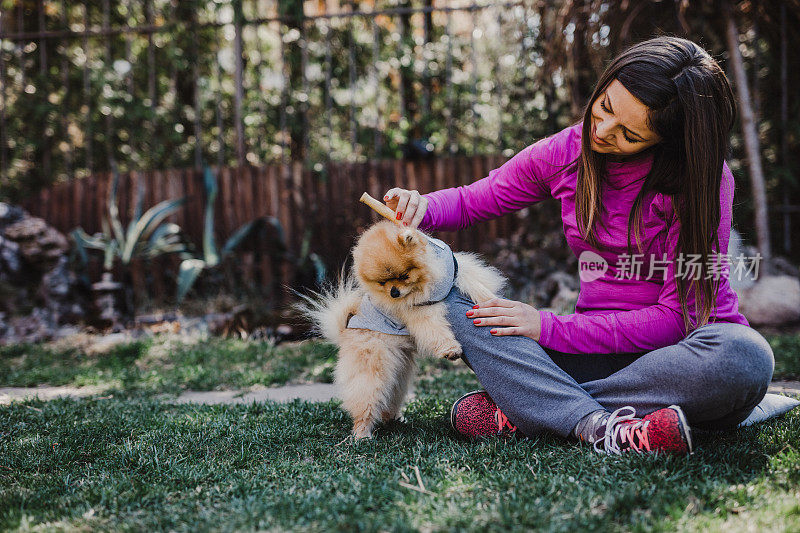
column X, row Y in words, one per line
column 398, row 277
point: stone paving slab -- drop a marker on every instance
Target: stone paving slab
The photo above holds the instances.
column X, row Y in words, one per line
column 785, row 387
column 46, row 392
column 313, row 392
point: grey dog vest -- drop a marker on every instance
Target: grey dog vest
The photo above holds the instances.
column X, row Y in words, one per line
column 372, row 318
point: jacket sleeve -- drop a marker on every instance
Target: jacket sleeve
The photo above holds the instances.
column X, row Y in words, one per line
column 523, row 180
column 643, row 329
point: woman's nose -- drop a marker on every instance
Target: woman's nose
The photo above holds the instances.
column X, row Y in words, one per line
column 603, row 129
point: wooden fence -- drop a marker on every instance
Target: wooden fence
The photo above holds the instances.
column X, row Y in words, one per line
column 319, row 206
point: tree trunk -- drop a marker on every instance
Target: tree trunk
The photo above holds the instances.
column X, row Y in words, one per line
column 238, row 95
column 787, row 241
column 409, row 106
column 581, row 61
column 292, row 12
column 750, row 134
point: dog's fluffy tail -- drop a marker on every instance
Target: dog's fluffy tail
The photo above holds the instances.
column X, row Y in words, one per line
column 476, row 278
column 329, row 309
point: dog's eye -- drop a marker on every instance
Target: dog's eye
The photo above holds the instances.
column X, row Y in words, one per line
column 403, row 277
column 382, row 283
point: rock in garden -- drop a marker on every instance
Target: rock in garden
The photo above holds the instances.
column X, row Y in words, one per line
column 771, row 301
column 38, row 291
column 9, row 259
column 40, row 245
column 9, row 214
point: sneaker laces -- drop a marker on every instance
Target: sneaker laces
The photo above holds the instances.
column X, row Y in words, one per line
column 503, row 422
column 624, row 429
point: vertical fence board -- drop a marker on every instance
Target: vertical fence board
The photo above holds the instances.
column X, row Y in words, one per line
column 235, row 200
column 250, row 192
column 225, row 202
column 100, row 203
column 299, row 203
column 330, row 223
column 409, row 180
column 150, row 188
column 282, row 205
column 188, row 214
column 273, row 176
column 173, row 191
column 241, row 201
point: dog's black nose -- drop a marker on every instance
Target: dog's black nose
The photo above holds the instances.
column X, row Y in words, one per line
column 394, row 292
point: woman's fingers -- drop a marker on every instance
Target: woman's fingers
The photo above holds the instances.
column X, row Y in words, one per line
column 496, row 321
column 392, row 197
column 407, row 205
column 508, row 331
column 489, row 311
column 418, row 216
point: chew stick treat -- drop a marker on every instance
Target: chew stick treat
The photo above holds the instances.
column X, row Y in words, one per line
column 381, row 209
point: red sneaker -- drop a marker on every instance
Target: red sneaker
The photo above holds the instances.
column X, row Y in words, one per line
column 665, row 430
column 476, row 415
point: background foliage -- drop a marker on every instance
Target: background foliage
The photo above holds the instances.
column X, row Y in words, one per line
column 489, row 80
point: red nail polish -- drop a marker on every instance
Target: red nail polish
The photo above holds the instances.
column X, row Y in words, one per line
column 469, row 313
column 475, row 306
column 399, row 214
column 385, row 197
column 493, row 331
column 477, row 321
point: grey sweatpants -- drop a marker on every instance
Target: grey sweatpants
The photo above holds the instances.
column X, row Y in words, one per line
column 717, row 375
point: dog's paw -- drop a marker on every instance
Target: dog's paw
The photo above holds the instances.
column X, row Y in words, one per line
column 391, row 417
column 359, row 434
column 362, row 430
column 453, row 353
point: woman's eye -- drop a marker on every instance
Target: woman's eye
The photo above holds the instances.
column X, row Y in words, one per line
column 632, row 141
column 603, row 105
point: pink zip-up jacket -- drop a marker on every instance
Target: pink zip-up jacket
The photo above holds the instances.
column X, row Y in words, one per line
column 619, row 312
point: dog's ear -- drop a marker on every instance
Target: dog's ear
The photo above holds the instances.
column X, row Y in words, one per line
column 407, row 237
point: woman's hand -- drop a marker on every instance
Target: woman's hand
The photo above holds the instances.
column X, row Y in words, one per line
column 516, row 317
column 409, row 205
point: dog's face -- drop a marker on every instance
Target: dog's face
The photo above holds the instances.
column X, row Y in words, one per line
column 389, row 261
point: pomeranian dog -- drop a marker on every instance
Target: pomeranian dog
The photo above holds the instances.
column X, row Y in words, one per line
column 387, row 310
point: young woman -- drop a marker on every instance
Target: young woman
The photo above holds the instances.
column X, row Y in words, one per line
column 644, row 189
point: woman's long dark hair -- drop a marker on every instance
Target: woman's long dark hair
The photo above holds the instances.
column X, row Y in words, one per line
column 692, row 108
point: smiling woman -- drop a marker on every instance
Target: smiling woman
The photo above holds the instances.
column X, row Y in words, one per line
column 644, row 189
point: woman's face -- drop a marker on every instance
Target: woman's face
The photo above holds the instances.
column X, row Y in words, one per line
column 619, row 123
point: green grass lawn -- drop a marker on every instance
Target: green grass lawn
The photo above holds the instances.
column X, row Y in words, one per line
column 130, row 461
column 139, row 464
column 165, row 364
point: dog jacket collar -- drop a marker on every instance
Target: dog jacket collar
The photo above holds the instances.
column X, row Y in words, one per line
column 442, row 287
column 372, row 318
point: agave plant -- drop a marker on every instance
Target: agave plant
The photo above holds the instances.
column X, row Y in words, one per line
column 191, row 267
column 146, row 236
